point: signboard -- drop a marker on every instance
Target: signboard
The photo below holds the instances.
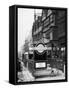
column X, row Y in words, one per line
column 40, row 48
column 40, row 65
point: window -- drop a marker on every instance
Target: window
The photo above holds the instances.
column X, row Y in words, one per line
column 51, row 17
column 48, row 36
column 51, row 36
column 49, row 12
column 46, row 22
column 44, row 35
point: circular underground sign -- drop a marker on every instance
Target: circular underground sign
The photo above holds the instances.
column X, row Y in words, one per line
column 40, row 48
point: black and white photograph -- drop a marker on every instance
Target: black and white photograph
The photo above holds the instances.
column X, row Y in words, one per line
column 42, row 44
column 34, row 41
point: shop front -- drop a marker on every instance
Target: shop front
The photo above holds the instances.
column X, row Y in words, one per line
column 56, row 56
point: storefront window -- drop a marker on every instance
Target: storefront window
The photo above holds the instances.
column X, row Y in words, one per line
column 51, row 18
column 48, row 54
column 63, row 53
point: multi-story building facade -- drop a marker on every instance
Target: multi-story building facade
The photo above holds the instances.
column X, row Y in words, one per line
column 61, row 23
column 42, row 32
column 50, row 28
column 37, row 31
column 49, row 25
column 54, row 25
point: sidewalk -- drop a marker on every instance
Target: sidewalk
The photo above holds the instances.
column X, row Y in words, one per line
column 49, row 74
column 25, row 75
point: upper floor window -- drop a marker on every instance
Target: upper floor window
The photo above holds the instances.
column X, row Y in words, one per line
column 44, row 14
column 49, row 12
column 51, row 17
column 46, row 22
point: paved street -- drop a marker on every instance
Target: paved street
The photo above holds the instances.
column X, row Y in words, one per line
column 51, row 78
column 46, row 74
column 50, row 75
